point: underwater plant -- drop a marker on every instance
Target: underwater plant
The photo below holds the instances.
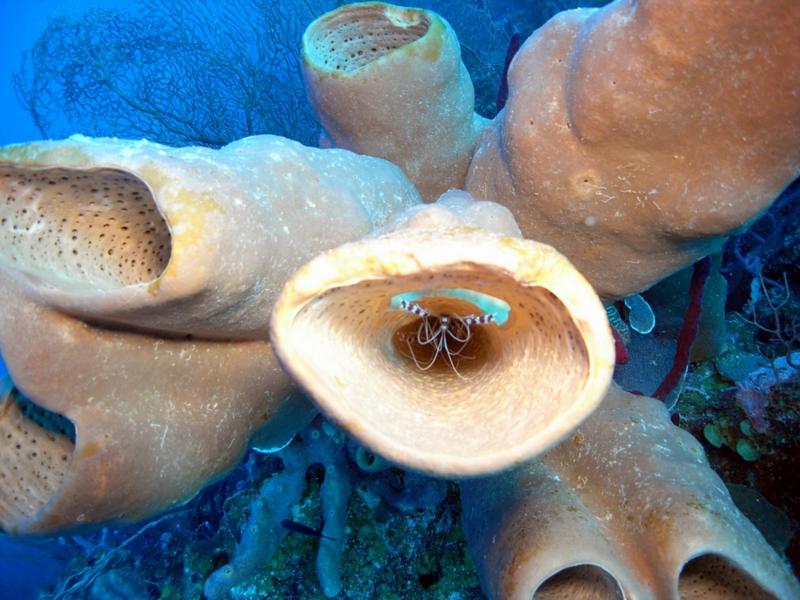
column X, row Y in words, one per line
column 177, row 72
column 234, row 65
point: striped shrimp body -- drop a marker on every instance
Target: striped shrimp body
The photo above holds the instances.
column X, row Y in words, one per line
column 443, row 335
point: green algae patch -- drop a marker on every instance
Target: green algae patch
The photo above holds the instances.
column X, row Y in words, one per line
column 713, row 435
column 747, row 450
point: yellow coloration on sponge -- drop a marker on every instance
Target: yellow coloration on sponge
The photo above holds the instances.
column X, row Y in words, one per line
column 139, row 311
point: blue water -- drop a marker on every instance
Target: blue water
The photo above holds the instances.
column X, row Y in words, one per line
column 21, row 24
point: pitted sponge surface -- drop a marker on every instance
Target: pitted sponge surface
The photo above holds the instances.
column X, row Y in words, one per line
column 96, row 229
column 345, row 42
column 33, row 462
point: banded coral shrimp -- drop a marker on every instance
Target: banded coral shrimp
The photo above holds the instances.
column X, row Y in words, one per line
column 439, row 336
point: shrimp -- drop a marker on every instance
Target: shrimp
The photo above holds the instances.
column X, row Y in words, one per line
column 447, row 335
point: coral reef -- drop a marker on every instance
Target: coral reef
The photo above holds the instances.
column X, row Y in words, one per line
column 264, row 529
column 142, row 283
column 403, row 538
column 277, row 500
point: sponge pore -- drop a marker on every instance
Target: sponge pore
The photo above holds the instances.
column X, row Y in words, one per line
column 96, row 229
column 714, row 577
column 33, row 462
column 344, row 42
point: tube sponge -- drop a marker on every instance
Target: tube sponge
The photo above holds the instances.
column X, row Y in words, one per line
column 182, row 240
column 154, row 419
column 388, row 81
column 627, row 506
column 137, row 282
column 337, row 330
column 638, row 136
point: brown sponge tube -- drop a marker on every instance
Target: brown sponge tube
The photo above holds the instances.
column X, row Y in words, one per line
column 136, row 283
column 388, row 81
column 515, row 389
column 155, row 419
column 628, row 506
column 638, row 136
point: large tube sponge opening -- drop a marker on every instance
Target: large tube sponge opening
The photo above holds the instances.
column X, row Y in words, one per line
column 514, row 389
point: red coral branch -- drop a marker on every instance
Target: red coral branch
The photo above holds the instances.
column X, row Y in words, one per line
column 619, row 348
column 688, row 332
